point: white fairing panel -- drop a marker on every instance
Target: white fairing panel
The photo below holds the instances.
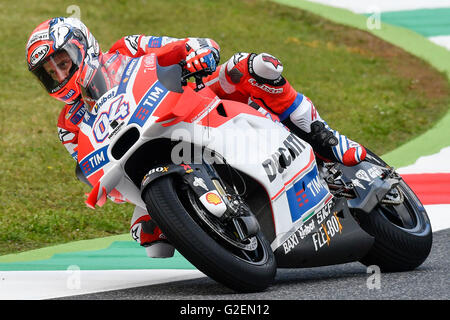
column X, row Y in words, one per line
column 280, row 161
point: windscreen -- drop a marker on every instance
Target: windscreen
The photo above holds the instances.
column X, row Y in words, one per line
column 97, row 81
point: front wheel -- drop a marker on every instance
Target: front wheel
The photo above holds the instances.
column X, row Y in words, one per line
column 244, row 266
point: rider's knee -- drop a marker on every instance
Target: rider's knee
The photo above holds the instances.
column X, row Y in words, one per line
column 264, row 68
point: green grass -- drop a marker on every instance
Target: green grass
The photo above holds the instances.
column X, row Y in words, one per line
column 363, row 91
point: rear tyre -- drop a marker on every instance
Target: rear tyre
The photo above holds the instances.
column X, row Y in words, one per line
column 402, row 232
column 243, row 270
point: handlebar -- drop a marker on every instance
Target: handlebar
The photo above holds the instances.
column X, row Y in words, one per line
column 198, row 76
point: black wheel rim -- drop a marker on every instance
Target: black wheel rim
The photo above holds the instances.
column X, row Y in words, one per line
column 403, row 215
column 251, row 251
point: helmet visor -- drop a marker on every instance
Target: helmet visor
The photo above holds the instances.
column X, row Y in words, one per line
column 56, row 70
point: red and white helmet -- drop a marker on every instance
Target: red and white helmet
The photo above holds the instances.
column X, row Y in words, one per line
column 62, row 54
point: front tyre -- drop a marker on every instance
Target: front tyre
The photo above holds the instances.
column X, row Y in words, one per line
column 242, row 270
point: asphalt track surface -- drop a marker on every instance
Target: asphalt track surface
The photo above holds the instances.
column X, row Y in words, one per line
column 349, row 281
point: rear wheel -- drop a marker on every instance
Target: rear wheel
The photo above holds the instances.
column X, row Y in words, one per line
column 402, row 232
column 208, row 243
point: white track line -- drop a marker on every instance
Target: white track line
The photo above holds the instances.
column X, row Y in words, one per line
column 443, row 41
column 439, row 215
column 435, row 163
column 37, row 285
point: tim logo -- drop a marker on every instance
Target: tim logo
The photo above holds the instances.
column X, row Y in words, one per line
column 305, row 194
column 302, row 198
column 315, row 186
column 94, row 161
column 272, row 60
column 149, row 103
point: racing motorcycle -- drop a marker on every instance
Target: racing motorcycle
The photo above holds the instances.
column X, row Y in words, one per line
column 235, row 192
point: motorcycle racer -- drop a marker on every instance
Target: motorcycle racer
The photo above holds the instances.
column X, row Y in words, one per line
column 65, row 57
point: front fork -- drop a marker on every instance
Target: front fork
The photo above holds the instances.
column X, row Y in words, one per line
column 226, row 205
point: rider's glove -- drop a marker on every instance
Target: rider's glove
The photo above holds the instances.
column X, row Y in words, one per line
column 205, row 58
column 322, row 136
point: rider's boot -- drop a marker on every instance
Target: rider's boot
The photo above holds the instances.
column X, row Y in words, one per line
column 145, row 231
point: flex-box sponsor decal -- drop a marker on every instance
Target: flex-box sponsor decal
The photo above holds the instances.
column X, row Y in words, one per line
column 319, row 227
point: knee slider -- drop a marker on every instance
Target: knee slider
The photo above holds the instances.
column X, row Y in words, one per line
column 266, row 69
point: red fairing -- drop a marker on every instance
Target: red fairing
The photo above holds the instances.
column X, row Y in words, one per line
column 182, row 107
column 200, row 107
column 232, row 108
